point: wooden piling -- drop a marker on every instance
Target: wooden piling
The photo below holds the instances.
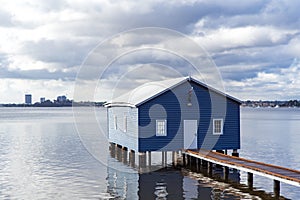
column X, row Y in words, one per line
column 119, row 152
column 149, row 158
column 200, row 164
column 112, row 149
column 174, row 158
column 276, row 189
column 163, row 158
column 142, row 159
column 280, row 174
column 250, row 181
column 226, row 173
column 190, row 161
column 166, row 158
column 132, row 158
column 235, row 153
column 184, row 159
column 124, row 155
column 197, row 165
column 209, row 168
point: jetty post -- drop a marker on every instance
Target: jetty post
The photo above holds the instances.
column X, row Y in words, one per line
column 149, row 158
column 132, row 158
column 276, row 189
column 124, row 154
column 250, row 180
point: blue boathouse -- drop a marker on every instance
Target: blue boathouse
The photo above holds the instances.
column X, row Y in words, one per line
column 175, row 114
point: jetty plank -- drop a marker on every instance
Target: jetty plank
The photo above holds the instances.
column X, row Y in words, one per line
column 289, row 176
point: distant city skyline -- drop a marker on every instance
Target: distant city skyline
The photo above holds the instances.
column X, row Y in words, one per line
column 29, row 99
column 254, row 44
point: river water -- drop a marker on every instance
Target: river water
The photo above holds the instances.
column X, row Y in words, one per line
column 44, row 154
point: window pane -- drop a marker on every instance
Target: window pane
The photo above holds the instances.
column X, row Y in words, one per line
column 161, row 128
column 217, row 126
column 125, row 123
column 115, row 122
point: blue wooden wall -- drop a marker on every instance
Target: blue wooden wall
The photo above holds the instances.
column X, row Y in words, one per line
column 128, row 138
column 172, row 105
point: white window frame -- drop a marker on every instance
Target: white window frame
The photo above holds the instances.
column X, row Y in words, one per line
column 115, row 122
column 161, row 129
column 221, row 128
column 125, row 123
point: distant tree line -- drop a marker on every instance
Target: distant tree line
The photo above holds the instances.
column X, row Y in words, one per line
column 48, row 103
column 260, row 103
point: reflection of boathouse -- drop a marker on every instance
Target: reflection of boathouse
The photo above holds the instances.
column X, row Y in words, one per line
column 165, row 183
column 172, row 115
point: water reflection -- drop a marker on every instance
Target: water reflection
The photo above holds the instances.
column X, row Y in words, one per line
column 124, row 182
column 43, row 157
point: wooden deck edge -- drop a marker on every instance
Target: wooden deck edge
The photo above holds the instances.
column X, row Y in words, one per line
column 251, row 167
column 247, row 160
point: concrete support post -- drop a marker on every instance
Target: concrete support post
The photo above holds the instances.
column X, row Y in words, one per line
column 250, row 181
column 132, row 158
column 235, row 153
column 276, row 189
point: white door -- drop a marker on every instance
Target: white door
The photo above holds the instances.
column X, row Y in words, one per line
column 190, row 128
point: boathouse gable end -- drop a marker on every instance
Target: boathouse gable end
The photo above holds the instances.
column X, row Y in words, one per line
column 123, row 126
column 173, row 115
column 189, row 101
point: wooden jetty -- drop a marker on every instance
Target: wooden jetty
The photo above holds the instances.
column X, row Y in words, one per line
column 277, row 173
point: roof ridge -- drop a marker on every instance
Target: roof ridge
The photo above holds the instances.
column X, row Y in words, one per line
column 150, row 90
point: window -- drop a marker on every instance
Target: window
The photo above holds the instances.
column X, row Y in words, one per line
column 161, row 127
column 218, row 126
column 125, row 124
column 115, row 122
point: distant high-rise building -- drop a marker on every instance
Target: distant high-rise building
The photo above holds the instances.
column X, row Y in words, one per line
column 61, row 99
column 43, row 99
column 28, row 98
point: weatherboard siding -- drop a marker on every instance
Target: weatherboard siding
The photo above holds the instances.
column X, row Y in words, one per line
column 128, row 138
column 172, row 106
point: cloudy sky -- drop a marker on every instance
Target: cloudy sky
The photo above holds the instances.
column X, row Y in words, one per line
column 44, row 44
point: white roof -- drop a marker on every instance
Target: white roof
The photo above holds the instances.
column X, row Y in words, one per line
column 150, row 90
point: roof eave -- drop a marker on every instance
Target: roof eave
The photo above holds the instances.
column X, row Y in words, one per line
column 119, row 104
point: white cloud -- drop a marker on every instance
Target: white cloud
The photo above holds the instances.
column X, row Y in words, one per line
column 44, row 41
column 226, row 38
column 13, row 90
column 282, row 84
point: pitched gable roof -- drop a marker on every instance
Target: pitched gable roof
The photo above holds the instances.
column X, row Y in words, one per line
column 151, row 90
